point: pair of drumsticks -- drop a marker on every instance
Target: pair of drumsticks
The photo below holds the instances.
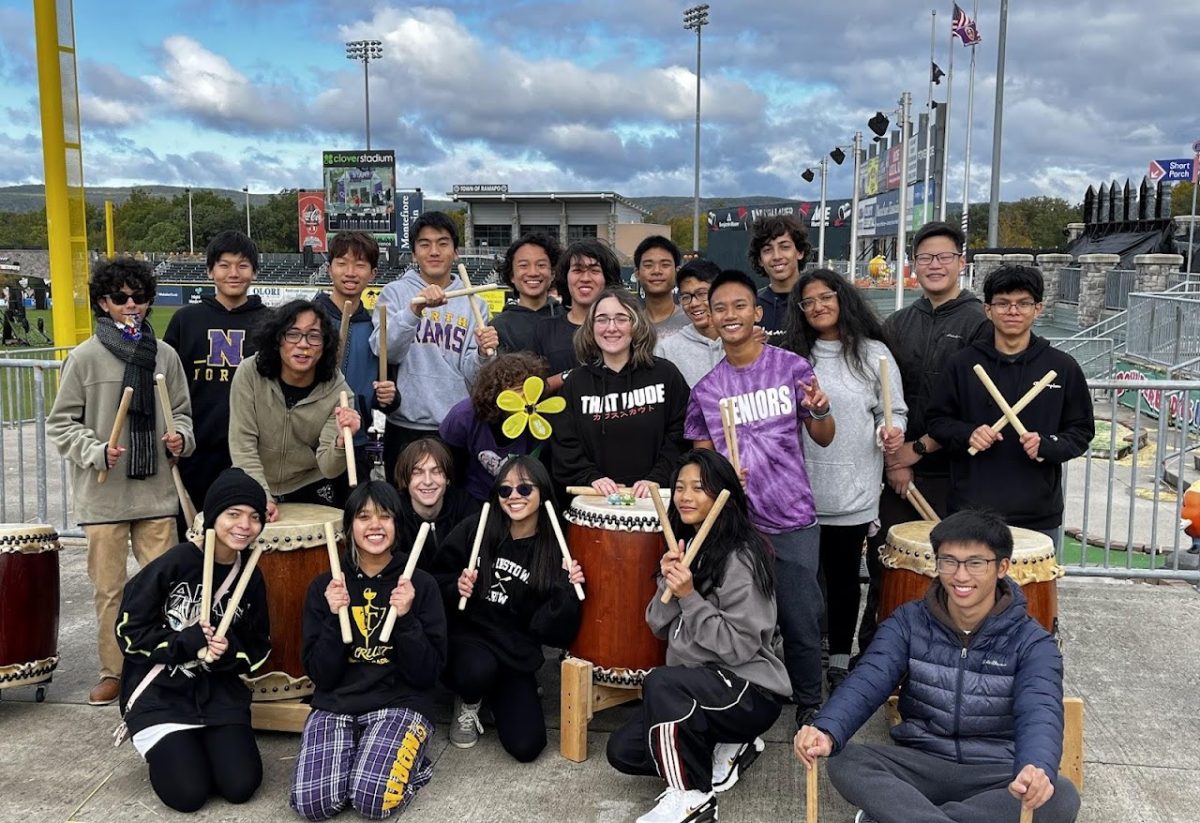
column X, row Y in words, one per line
column 469, row 292
column 206, row 590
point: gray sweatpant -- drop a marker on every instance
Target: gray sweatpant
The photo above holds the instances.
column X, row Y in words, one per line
column 898, row 784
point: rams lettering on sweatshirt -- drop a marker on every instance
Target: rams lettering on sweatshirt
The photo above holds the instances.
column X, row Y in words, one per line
column 442, row 328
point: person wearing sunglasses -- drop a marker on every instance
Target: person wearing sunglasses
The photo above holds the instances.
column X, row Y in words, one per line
column 136, row 504
column 285, row 423
column 1017, row 476
column 623, row 425
column 520, row 597
column 981, row 712
column 834, row 328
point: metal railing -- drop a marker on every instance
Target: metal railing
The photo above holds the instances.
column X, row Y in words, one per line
column 1068, row 284
column 1118, row 283
column 1095, row 355
column 1163, row 328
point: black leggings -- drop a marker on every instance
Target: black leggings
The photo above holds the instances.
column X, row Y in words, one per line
column 474, row 674
column 188, row 766
column 841, row 555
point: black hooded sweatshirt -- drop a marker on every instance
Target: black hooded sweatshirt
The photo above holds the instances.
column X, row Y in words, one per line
column 626, row 425
column 367, row 674
column 1024, row 492
column 457, row 506
column 516, row 323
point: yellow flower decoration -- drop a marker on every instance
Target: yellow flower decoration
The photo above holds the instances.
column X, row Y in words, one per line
column 527, row 410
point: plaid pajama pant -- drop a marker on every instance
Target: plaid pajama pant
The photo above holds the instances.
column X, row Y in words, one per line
column 374, row 762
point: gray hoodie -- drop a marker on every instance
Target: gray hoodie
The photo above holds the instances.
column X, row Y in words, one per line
column 436, row 352
column 691, row 352
column 845, row 475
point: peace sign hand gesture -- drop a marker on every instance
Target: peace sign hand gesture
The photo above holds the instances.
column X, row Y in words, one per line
column 813, row 397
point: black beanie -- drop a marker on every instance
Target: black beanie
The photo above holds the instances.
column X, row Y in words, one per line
column 233, row 487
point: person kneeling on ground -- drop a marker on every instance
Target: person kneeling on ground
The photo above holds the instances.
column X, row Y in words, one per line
column 981, row 708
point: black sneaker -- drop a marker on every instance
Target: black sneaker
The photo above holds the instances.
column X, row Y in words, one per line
column 835, row 676
column 730, row 761
column 805, row 715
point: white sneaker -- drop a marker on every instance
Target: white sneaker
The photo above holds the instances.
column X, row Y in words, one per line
column 730, row 761
column 465, row 731
column 682, row 806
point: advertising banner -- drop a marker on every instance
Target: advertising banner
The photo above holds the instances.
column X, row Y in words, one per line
column 311, row 206
column 410, row 204
column 360, row 189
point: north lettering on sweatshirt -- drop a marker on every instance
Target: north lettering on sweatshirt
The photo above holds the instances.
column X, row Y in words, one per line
column 764, row 404
column 225, row 348
column 442, row 328
column 623, row 404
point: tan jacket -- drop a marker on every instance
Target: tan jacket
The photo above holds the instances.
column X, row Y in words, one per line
column 283, row 449
column 89, row 392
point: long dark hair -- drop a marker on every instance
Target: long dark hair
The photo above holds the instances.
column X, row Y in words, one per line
column 733, row 533
column 386, row 499
column 270, row 333
column 857, row 321
column 546, row 566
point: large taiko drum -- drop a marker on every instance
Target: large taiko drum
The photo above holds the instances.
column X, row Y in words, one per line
column 293, row 554
column 29, row 607
column 909, row 566
column 619, row 548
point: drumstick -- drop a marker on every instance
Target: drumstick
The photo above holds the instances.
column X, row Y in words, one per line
column 206, row 584
column 661, row 508
column 385, row 634
column 118, row 425
column 730, row 427
column 383, row 363
column 462, row 272
column 185, row 500
column 465, row 292
column 348, row 442
column 1011, row 416
column 1020, row 405
column 811, row 794
column 922, row 506
column 562, row 543
column 698, row 540
column 885, row 391
column 474, row 561
column 335, row 566
column 1026, row 814
column 344, row 331
column 588, row 491
column 235, row 599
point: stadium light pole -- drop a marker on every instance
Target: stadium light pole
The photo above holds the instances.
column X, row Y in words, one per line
column 997, row 129
column 695, row 19
column 246, row 189
column 366, row 51
column 808, row 175
column 191, row 234
column 838, row 155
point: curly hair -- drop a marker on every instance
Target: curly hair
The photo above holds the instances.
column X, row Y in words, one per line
column 592, row 249
column 269, row 339
column 545, row 242
column 641, row 351
column 503, row 372
column 857, row 321
column 766, row 229
column 109, row 276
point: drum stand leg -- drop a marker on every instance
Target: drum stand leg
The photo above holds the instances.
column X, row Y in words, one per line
column 581, row 699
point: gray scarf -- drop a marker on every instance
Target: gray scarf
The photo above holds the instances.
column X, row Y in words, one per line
column 138, row 350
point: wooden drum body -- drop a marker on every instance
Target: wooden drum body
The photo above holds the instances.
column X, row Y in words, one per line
column 909, row 567
column 29, row 604
column 619, row 548
column 293, row 554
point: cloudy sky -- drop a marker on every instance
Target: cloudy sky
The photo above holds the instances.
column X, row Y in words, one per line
column 596, row 94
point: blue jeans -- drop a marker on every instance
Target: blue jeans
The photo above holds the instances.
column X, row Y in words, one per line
column 800, row 606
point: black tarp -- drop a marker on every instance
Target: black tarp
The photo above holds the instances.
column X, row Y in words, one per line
column 1128, row 244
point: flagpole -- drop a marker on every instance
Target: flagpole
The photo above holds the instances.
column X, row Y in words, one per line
column 929, row 118
column 946, row 131
column 997, row 129
column 970, row 123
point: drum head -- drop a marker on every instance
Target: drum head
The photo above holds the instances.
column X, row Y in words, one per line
column 300, row 525
column 28, row 538
column 598, row 513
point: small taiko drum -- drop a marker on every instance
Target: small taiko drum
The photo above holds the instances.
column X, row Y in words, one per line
column 293, row 554
column 909, row 566
column 619, row 548
column 29, row 605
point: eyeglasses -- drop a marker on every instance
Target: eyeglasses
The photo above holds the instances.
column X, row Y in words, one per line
column 522, row 490
column 826, row 299
column 1004, row 306
column 945, row 258
column 619, row 320
column 313, row 337
column 686, row 297
column 120, row 298
column 976, row 566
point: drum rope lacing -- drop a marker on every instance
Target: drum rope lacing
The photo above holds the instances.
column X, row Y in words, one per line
column 629, row 678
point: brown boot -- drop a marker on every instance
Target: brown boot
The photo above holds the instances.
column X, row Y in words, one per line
column 105, row 692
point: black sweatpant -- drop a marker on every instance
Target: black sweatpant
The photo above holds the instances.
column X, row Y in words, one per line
column 189, row 766
column 474, row 673
column 685, row 713
column 841, row 555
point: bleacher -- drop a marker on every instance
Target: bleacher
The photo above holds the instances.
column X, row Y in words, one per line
column 290, row 269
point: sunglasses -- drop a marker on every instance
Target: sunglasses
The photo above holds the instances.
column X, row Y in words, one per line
column 120, row 298
column 522, row 490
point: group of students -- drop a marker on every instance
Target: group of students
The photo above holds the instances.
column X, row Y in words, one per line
column 800, row 363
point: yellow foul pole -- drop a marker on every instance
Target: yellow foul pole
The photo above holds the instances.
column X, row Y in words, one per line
column 109, row 240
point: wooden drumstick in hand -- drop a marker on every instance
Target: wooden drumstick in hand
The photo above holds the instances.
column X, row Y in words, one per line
column 588, row 491
column 389, row 622
column 661, row 508
column 475, row 312
column 729, row 424
column 464, row 292
column 185, row 500
column 235, row 599
column 562, row 543
column 344, row 331
column 885, row 391
column 474, row 561
column 919, row 503
column 383, row 361
column 348, row 444
column 1026, row 815
column 1009, row 414
column 812, row 777
column 700, row 537
column 1020, row 405
column 206, row 580
column 335, row 568
column 118, row 427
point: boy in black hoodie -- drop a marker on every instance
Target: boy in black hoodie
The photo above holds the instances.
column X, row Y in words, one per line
column 1020, row 478
column 212, row 338
column 527, row 268
column 365, row 741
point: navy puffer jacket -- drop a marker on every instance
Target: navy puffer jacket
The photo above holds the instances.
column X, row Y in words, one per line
column 996, row 700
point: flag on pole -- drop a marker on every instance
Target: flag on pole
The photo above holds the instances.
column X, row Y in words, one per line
column 936, row 74
column 964, row 28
